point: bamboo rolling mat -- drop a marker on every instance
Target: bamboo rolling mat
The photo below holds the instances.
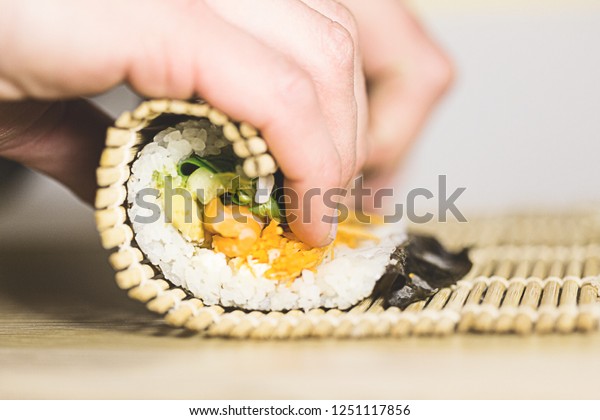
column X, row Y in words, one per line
column 531, row 273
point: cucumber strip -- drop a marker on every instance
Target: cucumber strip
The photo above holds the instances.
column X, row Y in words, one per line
column 269, row 209
column 233, row 182
column 204, row 185
column 243, row 197
column 189, row 165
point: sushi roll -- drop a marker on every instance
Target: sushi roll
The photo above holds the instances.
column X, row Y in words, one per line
column 191, row 197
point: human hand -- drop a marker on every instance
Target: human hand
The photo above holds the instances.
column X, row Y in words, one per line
column 296, row 76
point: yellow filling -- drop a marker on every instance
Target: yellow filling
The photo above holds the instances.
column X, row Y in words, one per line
column 187, row 220
column 286, row 255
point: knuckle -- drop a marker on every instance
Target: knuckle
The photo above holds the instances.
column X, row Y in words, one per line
column 339, row 47
column 344, row 16
column 441, row 72
column 294, row 87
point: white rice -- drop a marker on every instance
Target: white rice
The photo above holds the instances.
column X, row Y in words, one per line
column 337, row 283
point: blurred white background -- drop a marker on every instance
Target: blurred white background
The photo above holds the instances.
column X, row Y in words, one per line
column 520, row 130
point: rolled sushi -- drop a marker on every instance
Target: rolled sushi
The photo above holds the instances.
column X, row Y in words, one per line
column 204, row 208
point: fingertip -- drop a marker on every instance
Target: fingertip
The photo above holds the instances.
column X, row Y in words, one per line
column 315, row 235
column 309, row 216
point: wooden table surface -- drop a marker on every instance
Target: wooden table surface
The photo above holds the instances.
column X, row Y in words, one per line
column 66, row 331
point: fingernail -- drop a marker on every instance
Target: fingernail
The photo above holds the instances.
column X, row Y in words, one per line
column 334, row 226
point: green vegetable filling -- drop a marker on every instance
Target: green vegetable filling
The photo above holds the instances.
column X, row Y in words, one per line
column 207, row 180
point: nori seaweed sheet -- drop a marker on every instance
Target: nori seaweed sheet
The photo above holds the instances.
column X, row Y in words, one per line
column 418, row 268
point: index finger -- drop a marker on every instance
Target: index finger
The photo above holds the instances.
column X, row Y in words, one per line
column 254, row 83
column 190, row 52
